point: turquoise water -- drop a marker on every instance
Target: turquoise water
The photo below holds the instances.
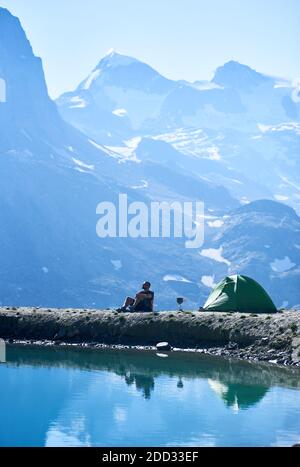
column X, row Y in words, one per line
column 59, row 397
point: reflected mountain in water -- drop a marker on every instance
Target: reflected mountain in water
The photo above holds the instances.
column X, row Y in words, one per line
column 240, row 384
column 143, row 383
column 56, row 396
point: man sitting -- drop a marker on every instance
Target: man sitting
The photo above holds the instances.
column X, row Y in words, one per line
column 143, row 300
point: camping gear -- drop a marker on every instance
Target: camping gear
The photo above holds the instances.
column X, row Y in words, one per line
column 179, row 301
column 239, row 293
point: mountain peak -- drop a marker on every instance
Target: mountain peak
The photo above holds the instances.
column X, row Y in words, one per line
column 5, row 12
column 107, row 66
column 118, row 70
column 27, row 102
column 12, row 36
column 110, row 52
column 268, row 207
column 236, row 75
column 113, row 59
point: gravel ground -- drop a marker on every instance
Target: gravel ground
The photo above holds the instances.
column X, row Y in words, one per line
column 258, row 337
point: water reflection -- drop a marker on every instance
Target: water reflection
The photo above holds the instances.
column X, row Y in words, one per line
column 143, row 383
column 237, row 383
column 180, row 383
column 59, row 397
column 2, row 351
column 238, row 396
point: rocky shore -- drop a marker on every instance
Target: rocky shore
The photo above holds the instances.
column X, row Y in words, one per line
column 271, row 338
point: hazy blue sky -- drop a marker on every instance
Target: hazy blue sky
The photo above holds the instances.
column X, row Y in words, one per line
column 183, row 39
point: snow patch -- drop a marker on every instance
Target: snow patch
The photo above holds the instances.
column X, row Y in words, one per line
column 120, row 112
column 244, row 200
column 215, row 254
column 208, row 281
column 96, row 145
column 133, row 142
column 82, row 165
column 264, row 128
column 215, row 224
column 236, row 181
column 126, row 152
column 282, row 265
column 213, row 153
column 91, row 78
column 110, row 52
column 144, row 184
column 78, row 169
column 123, row 153
column 77, row 103
column 206, row 85
column 287, row 126
column 286, row 84
column 192, row 142
column 114, row 59
column 175, row 278
column 281, row 197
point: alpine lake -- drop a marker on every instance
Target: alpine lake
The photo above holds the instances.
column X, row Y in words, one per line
column 67, row 396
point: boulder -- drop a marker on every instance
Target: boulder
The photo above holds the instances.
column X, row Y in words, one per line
column 163, row 346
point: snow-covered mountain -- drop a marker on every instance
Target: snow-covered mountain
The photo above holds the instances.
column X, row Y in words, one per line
column 119, row 96
column 238, row 97
column 241, row 119
column 51, row 179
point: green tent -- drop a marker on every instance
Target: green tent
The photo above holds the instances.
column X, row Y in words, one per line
column 239, row 293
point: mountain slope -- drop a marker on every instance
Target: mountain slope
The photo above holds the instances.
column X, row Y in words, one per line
column 118, row 96
column 262, row 240
column 48, row 249
column 52, row 177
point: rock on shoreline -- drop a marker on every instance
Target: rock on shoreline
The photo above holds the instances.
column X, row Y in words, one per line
column 273, row 338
